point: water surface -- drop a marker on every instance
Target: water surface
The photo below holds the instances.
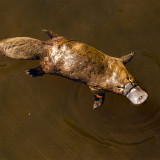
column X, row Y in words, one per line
column 50, row 117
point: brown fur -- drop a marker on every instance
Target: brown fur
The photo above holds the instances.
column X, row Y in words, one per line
column 74, row 60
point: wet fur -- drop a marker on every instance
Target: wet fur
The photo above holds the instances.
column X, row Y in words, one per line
column 72, row 59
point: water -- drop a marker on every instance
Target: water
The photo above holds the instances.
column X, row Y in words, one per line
column 50, row 117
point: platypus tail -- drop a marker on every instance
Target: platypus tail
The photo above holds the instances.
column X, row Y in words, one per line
column 22, row 48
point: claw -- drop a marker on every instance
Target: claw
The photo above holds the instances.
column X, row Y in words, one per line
column 31, row 72
column 97, row 104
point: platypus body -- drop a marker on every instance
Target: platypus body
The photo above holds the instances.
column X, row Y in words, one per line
column 77, row 61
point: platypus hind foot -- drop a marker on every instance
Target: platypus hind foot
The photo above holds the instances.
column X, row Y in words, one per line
column 50, row 33
column 34, row 72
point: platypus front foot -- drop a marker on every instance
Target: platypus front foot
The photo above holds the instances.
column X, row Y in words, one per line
column 99, row 99
column 34, row 72
column 99, row 95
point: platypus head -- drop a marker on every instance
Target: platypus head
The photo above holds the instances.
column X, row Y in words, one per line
column 120, row 81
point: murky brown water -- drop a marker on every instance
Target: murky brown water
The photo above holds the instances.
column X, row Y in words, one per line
column 50, row 117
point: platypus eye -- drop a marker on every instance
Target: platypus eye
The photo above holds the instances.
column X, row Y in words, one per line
column 129, row 78
column 119, row 87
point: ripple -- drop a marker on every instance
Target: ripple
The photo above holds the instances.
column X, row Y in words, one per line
column 133, row 143
column 100, row 141
column 85, row 134
column 155, row 58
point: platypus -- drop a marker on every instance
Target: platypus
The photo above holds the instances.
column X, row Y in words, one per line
column 78, row 61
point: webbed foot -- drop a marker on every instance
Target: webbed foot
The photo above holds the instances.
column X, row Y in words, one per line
column 99, row 95
column 99, row 99
column 34, row 72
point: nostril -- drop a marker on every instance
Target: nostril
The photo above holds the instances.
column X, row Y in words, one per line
column 141, row 97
